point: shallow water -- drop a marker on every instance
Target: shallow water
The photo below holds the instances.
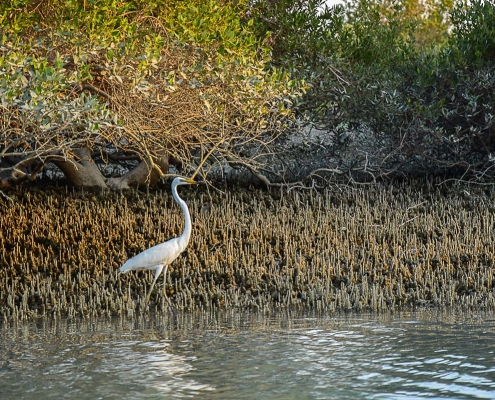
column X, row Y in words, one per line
column 247, row 356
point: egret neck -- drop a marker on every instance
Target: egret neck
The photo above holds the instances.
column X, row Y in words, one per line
column 186, row 234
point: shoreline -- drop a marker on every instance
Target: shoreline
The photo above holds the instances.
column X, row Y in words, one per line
column 373, row 249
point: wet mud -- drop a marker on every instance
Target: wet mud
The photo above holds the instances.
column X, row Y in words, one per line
column 374, row 248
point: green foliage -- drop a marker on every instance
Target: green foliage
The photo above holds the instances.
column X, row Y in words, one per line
column 389, row 73
column 386, row 70
column 113, row 68
column 330, row 47
column 433, row 21
column 223, row 48
column 37, row 90
column 372, row 39
column 211, row 24
column 132, row 35
column 473, row 35
column 296, row 33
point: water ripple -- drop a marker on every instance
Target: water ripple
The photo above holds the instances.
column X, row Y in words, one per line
column 305, row 358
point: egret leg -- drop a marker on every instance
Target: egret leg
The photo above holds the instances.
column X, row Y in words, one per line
column 158, row 271
column 165, row 282
column 165, row 291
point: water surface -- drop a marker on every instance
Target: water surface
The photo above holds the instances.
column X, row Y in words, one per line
column 247, row 356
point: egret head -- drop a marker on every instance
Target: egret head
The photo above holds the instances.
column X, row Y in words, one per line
column 183, row 181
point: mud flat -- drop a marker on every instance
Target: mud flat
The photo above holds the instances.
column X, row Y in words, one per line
column 375, row 248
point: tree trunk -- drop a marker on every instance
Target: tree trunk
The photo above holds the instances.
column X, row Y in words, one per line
column 83, row 172
column 14, row 171
column 143, row 174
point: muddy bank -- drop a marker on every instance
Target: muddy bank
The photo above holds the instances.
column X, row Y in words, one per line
column 364, row 249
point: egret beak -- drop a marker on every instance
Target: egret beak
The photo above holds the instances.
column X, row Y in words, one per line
column 191, row 181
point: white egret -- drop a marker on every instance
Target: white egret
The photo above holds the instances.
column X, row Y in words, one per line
column 162, row 255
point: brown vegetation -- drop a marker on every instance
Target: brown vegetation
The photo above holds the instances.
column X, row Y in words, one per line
column 112, row 92
column 373, row 249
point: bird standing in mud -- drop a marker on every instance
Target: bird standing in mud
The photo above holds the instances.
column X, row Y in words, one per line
column 162, row 255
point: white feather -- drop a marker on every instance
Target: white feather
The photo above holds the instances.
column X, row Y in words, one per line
column 161, row 255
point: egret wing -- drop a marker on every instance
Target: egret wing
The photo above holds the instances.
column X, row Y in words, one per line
column 161, row 254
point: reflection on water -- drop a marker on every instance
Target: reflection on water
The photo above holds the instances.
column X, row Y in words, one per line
column 246, row 356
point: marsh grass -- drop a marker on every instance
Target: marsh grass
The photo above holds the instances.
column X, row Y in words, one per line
column 376, row 248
